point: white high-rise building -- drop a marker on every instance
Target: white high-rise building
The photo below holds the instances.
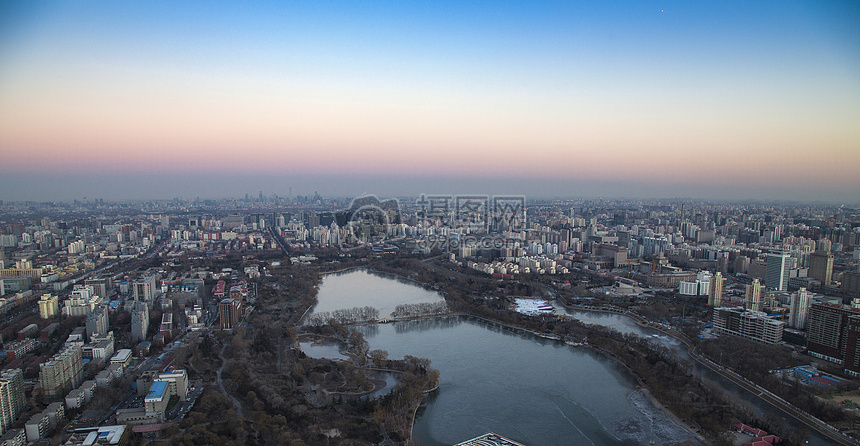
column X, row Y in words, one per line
column 11, row 397
column 801, row 302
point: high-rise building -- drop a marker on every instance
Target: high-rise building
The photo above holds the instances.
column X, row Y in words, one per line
column 826, row 330
column 97, row 321
column 851, row 282
column 139, row 321
column 229, row 311
column 144, row 289
column 832, row 335
column 48, row 306
column 11, row 397
column 62, row 372
column 753, row 298
column 821, row 266
column 715, row 294
column 801, row 302
column 100, row 286
column 776, row 277
column 81, row 302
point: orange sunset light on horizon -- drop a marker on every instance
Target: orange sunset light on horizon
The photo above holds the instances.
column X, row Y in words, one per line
column 550, row 91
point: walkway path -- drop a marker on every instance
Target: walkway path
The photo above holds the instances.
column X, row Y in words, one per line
column 236, row 402
column 221, row 382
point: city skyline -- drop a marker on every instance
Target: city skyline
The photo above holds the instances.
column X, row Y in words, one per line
column 725, row 101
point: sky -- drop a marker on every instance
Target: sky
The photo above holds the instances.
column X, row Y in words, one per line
column 711, row 99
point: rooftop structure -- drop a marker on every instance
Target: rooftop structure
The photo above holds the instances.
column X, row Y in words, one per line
column 489, row 439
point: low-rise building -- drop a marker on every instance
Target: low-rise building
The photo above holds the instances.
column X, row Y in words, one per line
column 750, row 324
column 177, row 383
column 99, row 436
column 15, row 437
column 157, row 398
column 122, row 357
column 37, row 427
column 137, row 416
column 75, row 399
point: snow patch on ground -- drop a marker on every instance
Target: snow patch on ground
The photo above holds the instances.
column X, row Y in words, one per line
column 532, row 306
column 664, row 427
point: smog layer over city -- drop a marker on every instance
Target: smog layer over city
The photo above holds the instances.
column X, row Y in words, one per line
column 430, row 223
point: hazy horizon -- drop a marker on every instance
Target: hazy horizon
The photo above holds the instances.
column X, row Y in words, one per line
column 169, row 186
column 711, row 100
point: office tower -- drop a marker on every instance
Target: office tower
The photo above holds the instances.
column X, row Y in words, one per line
column 801, row 302
column 821, row 266
column 715, row 294
column 753, row 298
column 776, row 277
column 139, row 321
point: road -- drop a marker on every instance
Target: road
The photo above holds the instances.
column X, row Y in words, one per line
column 807, row 419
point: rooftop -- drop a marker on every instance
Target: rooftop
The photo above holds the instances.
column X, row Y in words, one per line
column 156, row 391
column 489, row 439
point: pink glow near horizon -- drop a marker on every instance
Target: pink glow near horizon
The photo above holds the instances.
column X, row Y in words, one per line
column 660, row 101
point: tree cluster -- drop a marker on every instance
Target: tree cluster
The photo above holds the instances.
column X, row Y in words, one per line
column 757, row 362
column 421, row 309
column 344, row 316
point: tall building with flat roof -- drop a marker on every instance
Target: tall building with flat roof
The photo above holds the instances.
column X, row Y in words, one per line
column 821, row 266
column 827, row 329
column 753, row 298
column 144, row 289
column 100, row 286
column 851, row 282
column 11, row 397
column 139, row 321
column 62, row 372
column 776, row 275
column 801, row 302
column 833, row 335
column 48, row 306
column 229, row 311
column 177, row 383
column 715, row 293
column 97, row 321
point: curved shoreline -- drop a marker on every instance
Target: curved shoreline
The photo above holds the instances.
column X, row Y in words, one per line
column 763, row 394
